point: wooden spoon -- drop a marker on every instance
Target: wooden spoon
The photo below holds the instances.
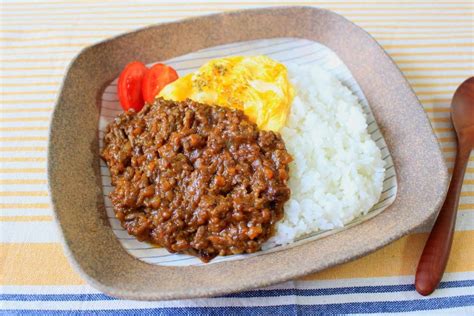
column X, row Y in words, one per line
column 436, row 253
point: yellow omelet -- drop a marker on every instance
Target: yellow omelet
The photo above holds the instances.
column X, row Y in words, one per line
column 257, row 85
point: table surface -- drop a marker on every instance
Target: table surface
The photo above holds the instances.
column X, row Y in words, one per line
column 431, row 42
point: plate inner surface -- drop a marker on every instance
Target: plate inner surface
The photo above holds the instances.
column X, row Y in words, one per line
column 285, row 50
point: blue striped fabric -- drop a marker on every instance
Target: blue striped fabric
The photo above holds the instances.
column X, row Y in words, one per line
column 246, row 294
column 293, row 309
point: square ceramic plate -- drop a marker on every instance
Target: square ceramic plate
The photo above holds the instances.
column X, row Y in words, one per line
column 75, row 177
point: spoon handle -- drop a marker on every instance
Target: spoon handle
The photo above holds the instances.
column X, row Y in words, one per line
column 436, row 252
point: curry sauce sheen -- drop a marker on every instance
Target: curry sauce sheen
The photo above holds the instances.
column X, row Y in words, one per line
column 196, row 179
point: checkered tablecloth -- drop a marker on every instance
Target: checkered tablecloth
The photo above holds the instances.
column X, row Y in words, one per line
column 431, row 41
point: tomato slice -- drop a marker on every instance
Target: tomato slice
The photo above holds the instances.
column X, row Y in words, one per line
column 156, row 79
column 129, row 86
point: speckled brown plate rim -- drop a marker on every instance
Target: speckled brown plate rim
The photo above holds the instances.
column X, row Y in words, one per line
column 73, row 163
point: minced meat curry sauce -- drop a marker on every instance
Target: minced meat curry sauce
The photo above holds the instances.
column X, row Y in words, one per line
column 196, row 179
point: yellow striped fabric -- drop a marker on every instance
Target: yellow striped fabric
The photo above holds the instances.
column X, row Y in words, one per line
column 431, row 41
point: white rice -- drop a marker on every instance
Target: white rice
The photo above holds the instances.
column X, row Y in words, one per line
column 337, row 173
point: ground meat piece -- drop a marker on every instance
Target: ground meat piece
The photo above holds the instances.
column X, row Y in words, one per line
column 196, row 179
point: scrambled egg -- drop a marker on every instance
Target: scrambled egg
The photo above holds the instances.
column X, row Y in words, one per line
column 257, row 85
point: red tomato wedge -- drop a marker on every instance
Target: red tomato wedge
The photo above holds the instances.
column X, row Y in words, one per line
column 129, row 86
column 156, row 79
